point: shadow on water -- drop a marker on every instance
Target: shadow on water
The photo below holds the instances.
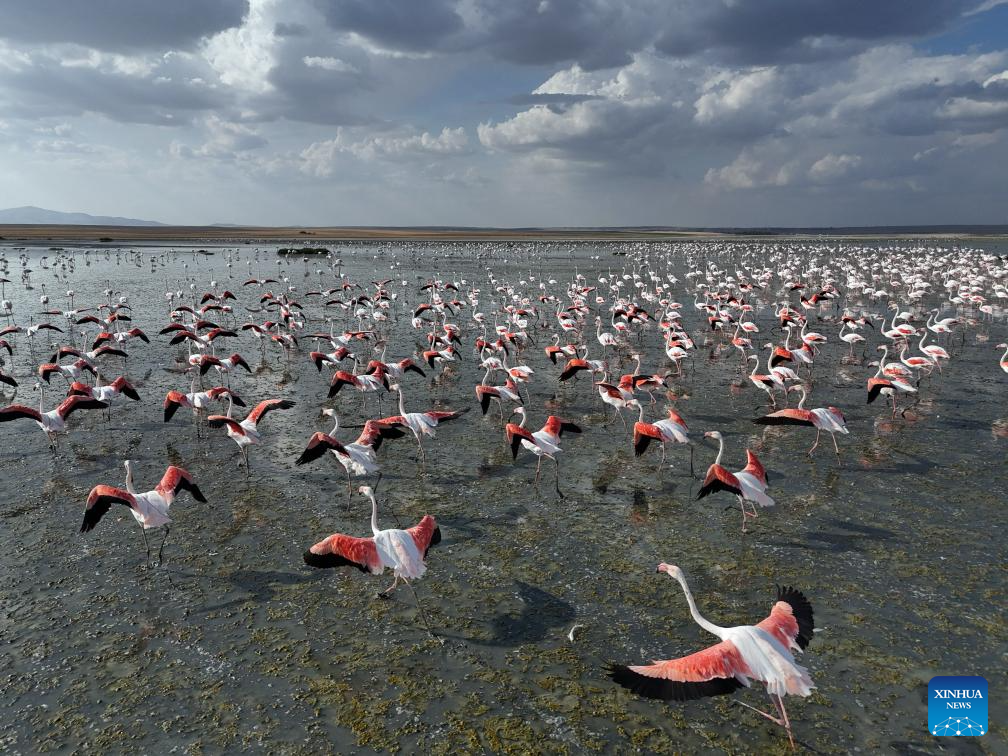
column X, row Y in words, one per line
column 261, row 585
column 849, row 537
column 539, row 614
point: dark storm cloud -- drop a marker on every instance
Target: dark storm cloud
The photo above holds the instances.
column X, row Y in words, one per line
column 55, row 91
column 119, row 25
column 414, row 25
column 776, row 30
column 593, row 33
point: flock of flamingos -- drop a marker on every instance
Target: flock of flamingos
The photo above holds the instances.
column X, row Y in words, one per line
column 625, row 333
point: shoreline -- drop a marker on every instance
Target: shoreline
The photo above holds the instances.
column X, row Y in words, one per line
column 35, row 235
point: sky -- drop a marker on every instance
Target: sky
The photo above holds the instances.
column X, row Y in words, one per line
column 508, row 112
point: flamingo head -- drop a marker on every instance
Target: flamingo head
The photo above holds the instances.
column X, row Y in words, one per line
column 365, row 491
column 671, row 569
column 126, row 464
column 1001, row 346
column 518, row 411
column 716, row 435
column 328, row 412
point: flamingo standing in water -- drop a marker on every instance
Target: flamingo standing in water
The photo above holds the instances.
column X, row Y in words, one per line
column 761, row 652
column 54, row 421
column 402, row 551
column 828, row 419
column 421, row 423
column 358, row 458
column 543, row 443
column 672, row 428
column 1004, row 357
column 748, row 484
column 150, row 509
column 246, row 433
column 887, row 386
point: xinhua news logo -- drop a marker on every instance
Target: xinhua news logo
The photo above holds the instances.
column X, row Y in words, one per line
column 957, row 706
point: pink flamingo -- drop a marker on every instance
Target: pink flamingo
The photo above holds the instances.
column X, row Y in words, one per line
column 761, row 652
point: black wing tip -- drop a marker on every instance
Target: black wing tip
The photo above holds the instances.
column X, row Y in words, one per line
column 670, row 690
column 801, row 607
column 326, row 561
column 197, row 494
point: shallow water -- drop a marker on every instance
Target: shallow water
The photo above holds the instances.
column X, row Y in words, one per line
column 236, row 643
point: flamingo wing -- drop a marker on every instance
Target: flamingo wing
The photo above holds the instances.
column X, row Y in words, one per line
column 340, row 379
column 875, row 386
column 755, row 468
column 444, row 417
column 791, row 620
column 318, row 445
column 715, row 671
column 216, row 421
column 340, row 550
column 172, row 401
column 268, row 405
column 425, row 534
column 176, row 479
column 72, row 403
column 790, row 416
column 719, row 479
column 375, row 432
column 100, row 500
column 515, row 434
column 557, row 425
column 18, row 411
column 643, row 434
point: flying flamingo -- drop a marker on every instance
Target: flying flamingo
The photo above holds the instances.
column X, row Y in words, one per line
column 198, row 400
column 150, row 509
column 761, row 652
column 749, row 484
column 545, row 442
column 53, row 421
column 402, row 551
column 246, row 433
column 672, row 428
column 358, row 458
column 828, row 419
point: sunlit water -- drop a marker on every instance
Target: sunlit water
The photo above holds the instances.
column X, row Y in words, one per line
column 235, row 643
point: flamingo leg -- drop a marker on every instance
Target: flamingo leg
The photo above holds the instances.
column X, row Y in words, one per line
column 143, row 532
column 420, row 610
column 160, row 554
column 538, row 471
column 349, row 489
column 385, row 594
column 556, row 465
column 816, row 444
column 787, row 722
column 833, row 436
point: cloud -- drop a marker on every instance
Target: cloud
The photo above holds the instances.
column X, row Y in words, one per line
column 831, row 167
column 414, row 25
column 119, row 25
column 321, row 158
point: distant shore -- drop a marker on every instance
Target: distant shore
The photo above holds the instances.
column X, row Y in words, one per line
column 297, row 236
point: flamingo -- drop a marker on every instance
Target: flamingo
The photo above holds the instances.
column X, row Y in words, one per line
column 108, row 393
column 749, row 484
column 1004, row 357
column 246, row 433
column 402, row 551
column 54, row 421
column 198, row 400
column 672, row 428
column 545, row 442
column 421, row 423
column 358, row 458
column 605, row 339
column 72, row 372
column 508, row 391
column 150, row 509
column 828, row 419
column 761, row 652
column 887, row 386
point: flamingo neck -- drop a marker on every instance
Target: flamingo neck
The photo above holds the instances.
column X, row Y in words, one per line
column 374, row 514
column 524, row 419
column 801, row 402
column 402, row 407
column 695, row 613
column 641, row 418
column 717, row 461
column 129, row 478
